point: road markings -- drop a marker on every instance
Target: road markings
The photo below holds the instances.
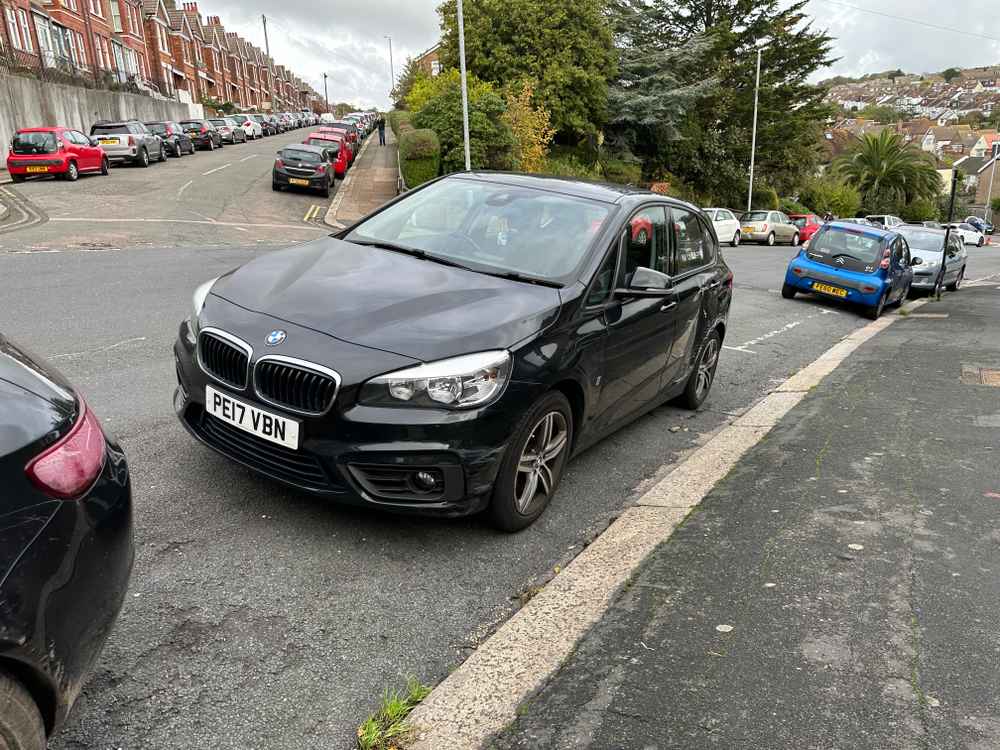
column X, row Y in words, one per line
column 252, row 156
column 184, row 187
column 217, row 169
column 737, row 349
column 99, row 350
column 482, row 696
column 312, row 213
column 236, row 224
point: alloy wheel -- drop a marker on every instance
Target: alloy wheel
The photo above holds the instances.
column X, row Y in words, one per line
column 72, row 172
column 535, row 469
column 736, row 240
column 706, row 368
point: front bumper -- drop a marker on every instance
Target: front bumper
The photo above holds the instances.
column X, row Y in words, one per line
column 354, row 452
column 60, row 601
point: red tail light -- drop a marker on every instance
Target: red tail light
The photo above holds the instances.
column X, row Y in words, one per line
column 131, row 140
column 765, row 226
column 204, row 130
column 68, row 468
column 279, row 163
column 170, row 130
column 729, row 280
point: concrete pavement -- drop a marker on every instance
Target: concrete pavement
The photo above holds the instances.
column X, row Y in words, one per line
column 838, row 589
column 369, row 184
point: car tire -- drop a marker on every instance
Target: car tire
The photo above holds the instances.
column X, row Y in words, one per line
column 521, row 494
column 735, row 242
column 143, row 158
column 700, row 381
column 957, row 283
column 788, row 291
column 904, row 296
column 875, row 312
column 21, row 725
column 979, row 242
column 18, row 178
column 211, row 145
column 72, row 172
column 795, row 239
column 163, row 154
column 276, row 187
column 770, row 240
column 105, row 166
column 325, row 192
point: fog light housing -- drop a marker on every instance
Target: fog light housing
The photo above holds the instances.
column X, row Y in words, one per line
column 428, row 481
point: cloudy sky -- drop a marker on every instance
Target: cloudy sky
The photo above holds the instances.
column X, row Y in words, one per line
column 347, row 41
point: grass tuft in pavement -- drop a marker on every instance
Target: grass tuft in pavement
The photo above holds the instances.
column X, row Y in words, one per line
column 386, row 729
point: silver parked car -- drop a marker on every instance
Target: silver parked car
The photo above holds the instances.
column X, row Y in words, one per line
column 926, row 247
column 128, row 141
column 769, row 227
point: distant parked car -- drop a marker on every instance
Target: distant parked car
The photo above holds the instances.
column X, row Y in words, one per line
column 352, row 146
column 65, row 153
column 229, row 130
column 335, row 143
column 203, row 133
column 128, row 141
column 266, row 128
column 970, row 235
column 926, row 247
column 304, row 166
column 727, row 226
column 65, row 545
column 353, row 131
column 866, row 265
column 928, row 224
column 808, row 224
column 175, row 140
column 887, row 221
column 769, row 228
column 250, row 126
column 327, row 118
column 981, row 224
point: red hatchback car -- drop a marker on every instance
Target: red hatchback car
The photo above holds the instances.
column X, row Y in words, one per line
column 330, row 140
column 36, row 152
column 352, row 147
column 808, row 225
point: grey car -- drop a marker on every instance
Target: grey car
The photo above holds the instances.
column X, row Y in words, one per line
column 769, row 227
column 128, row 141
column 925, row 257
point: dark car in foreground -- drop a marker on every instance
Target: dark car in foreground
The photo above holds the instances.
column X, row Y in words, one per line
column 866, row 265
column 203, row 134
column 65, row 545
column 927, row 254
column 175, row 140
column 450, row 352
column 300, row 165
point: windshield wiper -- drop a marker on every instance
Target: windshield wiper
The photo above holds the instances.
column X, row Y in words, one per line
column 515, row 276
column 416, row 252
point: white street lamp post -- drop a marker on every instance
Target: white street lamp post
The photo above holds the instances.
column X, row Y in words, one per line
column 753, row 141
column 465, row 91
column 988, row 211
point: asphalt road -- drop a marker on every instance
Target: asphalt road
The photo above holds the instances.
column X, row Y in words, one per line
column 258, row 618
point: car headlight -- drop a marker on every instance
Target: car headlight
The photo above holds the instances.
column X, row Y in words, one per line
column 198, row 301
column 458, row 383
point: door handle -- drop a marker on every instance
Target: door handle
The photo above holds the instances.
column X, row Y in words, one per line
column 667, row 306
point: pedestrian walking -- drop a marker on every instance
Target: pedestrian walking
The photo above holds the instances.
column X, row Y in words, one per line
column 381, row 130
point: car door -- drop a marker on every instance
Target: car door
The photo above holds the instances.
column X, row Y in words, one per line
column 900, row 273
column 695, row 284
column 87, row 155
column 776, row 220
column 640, row 328
column 70, row 146
column 954, row 259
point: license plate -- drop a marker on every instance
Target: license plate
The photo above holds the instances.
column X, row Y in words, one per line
column 834, row 291
column 108, row 141
column 38, row 169
column 296, row 181
column 748, row 230
column 263, row 424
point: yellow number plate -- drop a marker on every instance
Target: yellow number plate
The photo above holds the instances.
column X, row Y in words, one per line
column 108, row 142
column 827, row 289
column 38, row 169
column 295, row 181
column 749, row 230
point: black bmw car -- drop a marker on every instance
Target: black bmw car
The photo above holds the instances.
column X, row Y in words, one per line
column 450, row 352
column 65, row 545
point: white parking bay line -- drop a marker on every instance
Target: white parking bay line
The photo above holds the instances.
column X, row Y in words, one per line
column 217, row 169
column 737, row 349
column 184, row 187
column 252, row 156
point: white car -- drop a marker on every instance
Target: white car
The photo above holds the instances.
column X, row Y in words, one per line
column 250, row 126
column 888, row 221
column 727, row 226
column 970, row 235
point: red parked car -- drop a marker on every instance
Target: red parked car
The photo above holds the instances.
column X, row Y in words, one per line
column 352, row 147
column 329, row 140
column 808, row 224
column 36, row 152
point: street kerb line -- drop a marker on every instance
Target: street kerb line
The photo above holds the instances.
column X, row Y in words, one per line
column 482, row 696
column 331, row 213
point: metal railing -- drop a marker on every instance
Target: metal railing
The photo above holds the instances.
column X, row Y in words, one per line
column 57, row 69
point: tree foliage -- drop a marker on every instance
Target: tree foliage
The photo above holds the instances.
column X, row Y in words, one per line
column 950, row 74
column 407, row 79
column 995, row 205
column 887, row 172
column 530, row 128
column 565, row 47
column 828, row 194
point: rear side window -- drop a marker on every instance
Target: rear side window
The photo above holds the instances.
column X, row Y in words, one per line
column 645, row 242
column 692, row 245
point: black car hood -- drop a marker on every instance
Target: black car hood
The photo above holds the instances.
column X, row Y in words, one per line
column 388, row 300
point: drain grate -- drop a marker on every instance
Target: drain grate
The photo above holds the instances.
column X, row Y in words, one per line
column 972, row 375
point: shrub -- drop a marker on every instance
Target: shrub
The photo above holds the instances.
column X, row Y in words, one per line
column 571, row 166
column 995, row 205
column 419, row 156
column 622, row 172
column 791, row 206
column 529, row 127
column 829, row 194
column 765, row 198
column 920, row 209
column 399, row 121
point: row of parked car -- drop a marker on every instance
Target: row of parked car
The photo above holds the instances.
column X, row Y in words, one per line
column 774, row 227
column 67, row 153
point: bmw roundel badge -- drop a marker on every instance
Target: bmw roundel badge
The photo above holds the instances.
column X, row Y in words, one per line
column 275, row 337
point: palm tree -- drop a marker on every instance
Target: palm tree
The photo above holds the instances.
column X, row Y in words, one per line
column 885, row 169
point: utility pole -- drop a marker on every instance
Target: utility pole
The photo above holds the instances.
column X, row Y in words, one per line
column 947, row 233
column 753, row 141
column 392, row 68
column 988, row 211
column 267, row 45
column 465, row 89
column 326, row 96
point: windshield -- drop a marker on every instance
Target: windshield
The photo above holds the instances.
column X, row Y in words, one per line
column 920, row 240
column 498, row 227
column 755, row 216
column 109, row 130
column 191, row 124
column 34, row 143
column 835, row 241
column 308, row 157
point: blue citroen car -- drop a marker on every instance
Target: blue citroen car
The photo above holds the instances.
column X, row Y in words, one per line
column 866, row 265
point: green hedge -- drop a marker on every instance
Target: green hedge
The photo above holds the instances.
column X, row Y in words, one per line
column 622, row 172
column 571, row 166
column 790, row 206
column 419, row 156
column 399, row 120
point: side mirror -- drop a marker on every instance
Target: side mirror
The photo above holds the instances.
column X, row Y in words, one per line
column 646, row 282
column 94, row 141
